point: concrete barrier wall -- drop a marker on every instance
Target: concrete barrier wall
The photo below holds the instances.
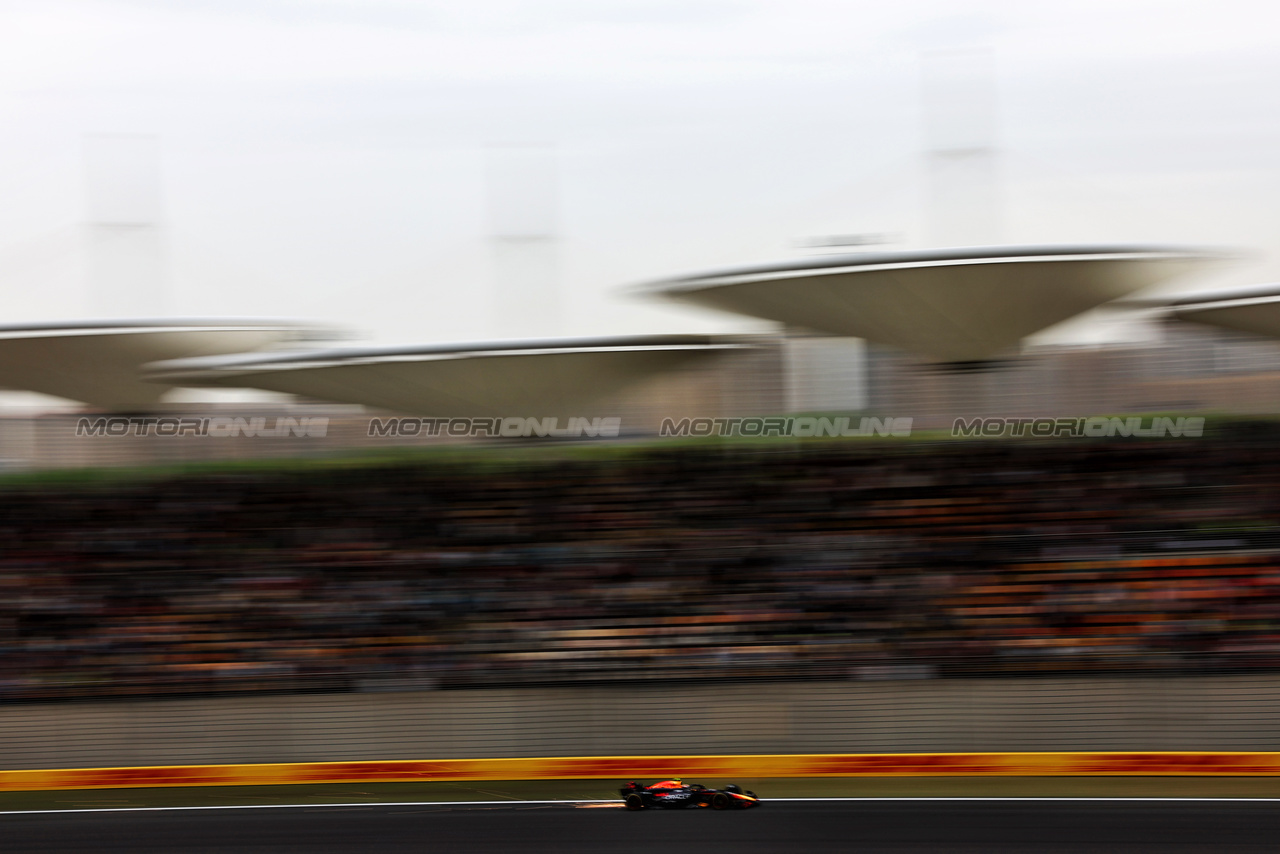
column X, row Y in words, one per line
column 1227, row 713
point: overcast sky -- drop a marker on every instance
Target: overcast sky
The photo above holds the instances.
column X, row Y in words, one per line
column 326, row 159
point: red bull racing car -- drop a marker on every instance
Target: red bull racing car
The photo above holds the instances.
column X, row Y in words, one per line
column 675, row 794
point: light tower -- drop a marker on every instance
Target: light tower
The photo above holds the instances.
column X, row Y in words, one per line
column 124, row 241
column 522, row 196
column 959, row 100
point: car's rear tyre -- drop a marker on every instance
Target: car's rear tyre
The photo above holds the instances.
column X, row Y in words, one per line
column 635, row 802
column 721, row 801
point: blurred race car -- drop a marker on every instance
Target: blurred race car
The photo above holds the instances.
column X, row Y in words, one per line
column 675, row 794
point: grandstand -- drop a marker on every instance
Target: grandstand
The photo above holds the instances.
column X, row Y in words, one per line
column 816, row 562
column 329, row 560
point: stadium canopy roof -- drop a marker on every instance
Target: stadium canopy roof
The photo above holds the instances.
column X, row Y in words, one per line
column 526, row 379
column 100, row 363
column 1255, row 310
column 954, row 305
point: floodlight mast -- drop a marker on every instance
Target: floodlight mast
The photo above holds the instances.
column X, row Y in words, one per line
column 961, row 160
column 524, row 245
column 123, row 235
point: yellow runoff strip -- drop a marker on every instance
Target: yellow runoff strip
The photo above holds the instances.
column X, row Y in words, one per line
column 637, row 767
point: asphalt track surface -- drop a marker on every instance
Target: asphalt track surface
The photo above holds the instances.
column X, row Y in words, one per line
column 898, row 826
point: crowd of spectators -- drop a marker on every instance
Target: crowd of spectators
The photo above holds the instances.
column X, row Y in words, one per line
column 770, row 561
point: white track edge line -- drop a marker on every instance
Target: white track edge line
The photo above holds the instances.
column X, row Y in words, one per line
column 1025, row 798
column 1099, row 798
